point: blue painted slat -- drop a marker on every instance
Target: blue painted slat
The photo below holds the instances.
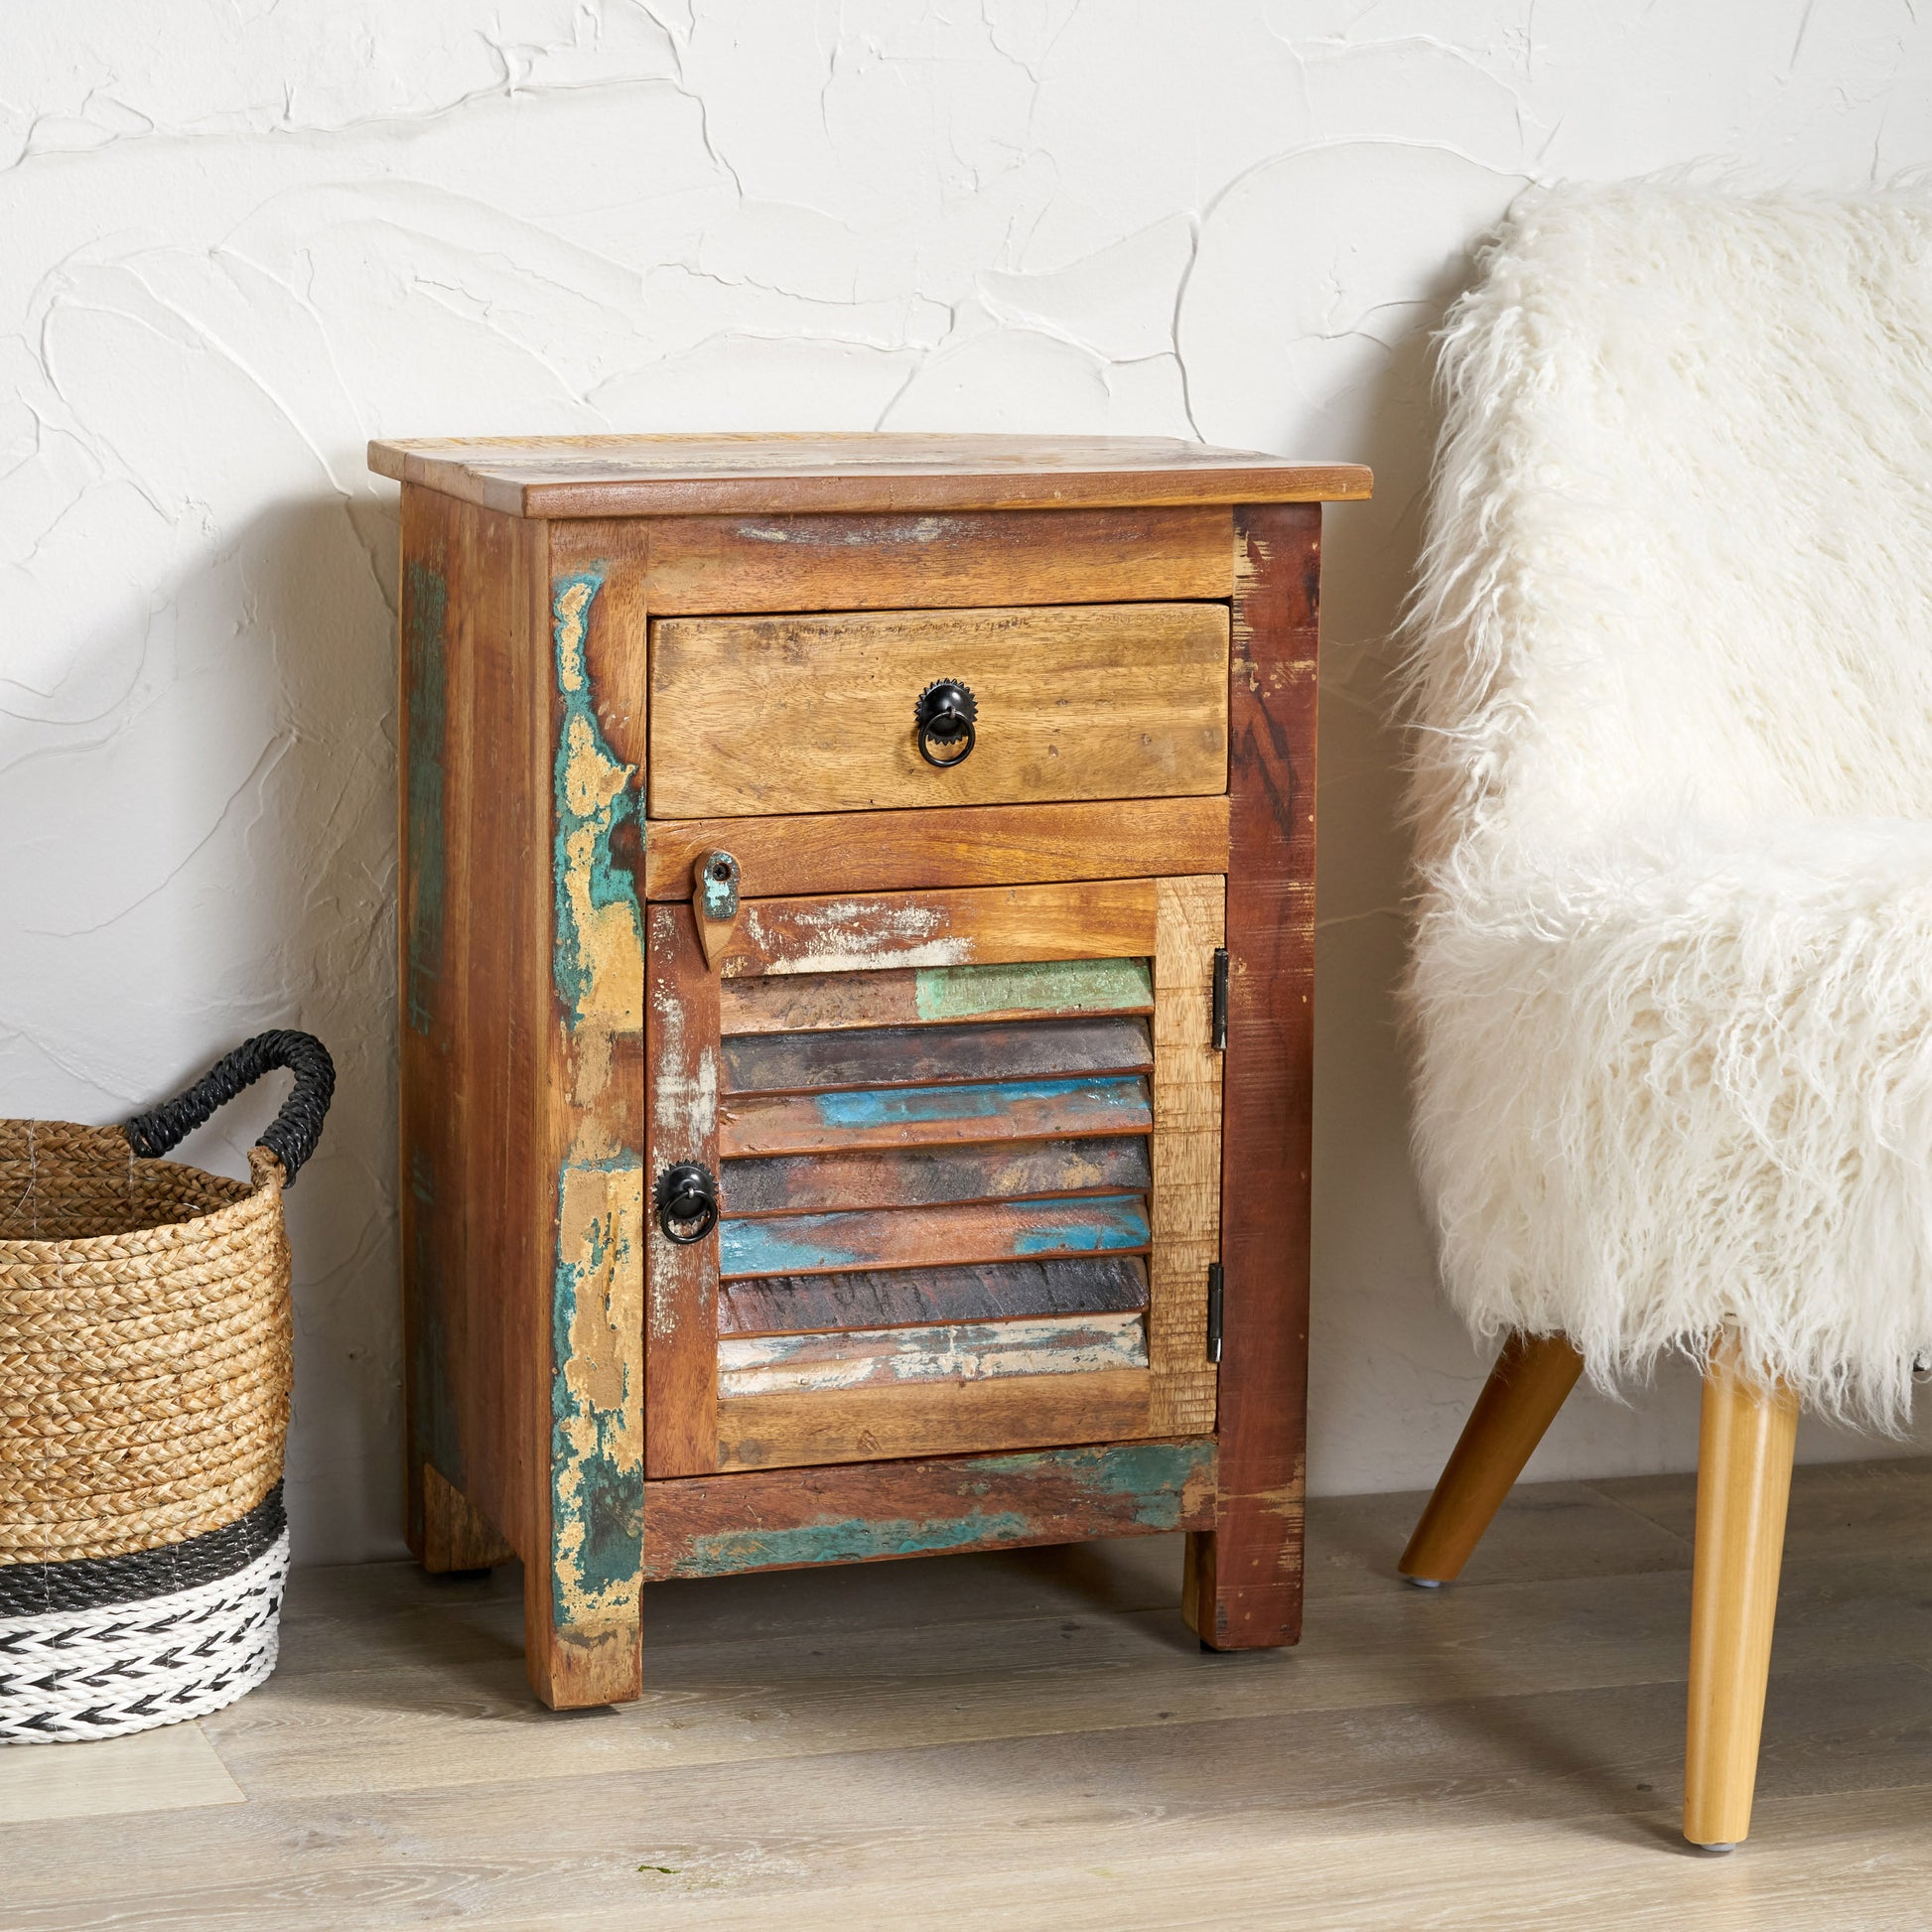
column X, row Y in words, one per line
column 917, row 1237
column 890, row 1106
column 981, row 1112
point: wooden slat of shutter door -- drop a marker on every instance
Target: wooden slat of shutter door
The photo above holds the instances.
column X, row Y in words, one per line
column 944, row 1184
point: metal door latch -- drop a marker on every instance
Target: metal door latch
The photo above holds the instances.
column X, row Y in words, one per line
column 714, row 901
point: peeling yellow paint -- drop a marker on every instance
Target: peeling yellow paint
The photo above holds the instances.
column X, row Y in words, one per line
column 596, row 1311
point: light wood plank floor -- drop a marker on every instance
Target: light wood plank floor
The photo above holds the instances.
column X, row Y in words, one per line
column 1033, row 1741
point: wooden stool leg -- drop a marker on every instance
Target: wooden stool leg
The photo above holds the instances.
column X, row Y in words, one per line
column 1743, row 1486
column 1532, row 1377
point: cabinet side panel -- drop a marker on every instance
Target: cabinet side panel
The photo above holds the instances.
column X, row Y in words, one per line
column 428, row 790
column 583, row 1614
column 465, row 818
column 1244, row 1579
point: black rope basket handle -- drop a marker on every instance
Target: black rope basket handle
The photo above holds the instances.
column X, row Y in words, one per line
column 291, row 1137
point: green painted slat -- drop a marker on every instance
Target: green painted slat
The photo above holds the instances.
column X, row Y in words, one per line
column 1038, row 985
column 909, row 996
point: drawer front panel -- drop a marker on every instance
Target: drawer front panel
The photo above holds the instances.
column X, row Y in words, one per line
column 754, row 716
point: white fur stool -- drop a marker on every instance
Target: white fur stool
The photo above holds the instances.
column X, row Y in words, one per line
column 1672, row 984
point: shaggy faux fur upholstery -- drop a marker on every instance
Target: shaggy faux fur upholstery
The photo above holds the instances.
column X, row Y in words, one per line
column 1671, row 676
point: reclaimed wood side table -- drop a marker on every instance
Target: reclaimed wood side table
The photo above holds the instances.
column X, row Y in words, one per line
column 858, row 910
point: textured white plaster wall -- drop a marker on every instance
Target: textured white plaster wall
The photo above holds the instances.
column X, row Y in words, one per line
column 241, row 238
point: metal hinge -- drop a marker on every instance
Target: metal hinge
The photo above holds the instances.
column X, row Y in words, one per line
column 1218, row 1026
column 1213, row 1310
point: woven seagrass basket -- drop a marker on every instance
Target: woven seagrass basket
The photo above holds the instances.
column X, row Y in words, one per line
column 144, row 1401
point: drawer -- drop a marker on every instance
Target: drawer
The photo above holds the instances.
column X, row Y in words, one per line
column 752, row 716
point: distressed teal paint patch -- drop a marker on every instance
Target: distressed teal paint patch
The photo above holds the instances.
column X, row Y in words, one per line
column 801, row 1241
column 1103, row 1226
column 1047, row 986
column 897, row 1106
column 592, row 1489
column 426, row 604
column 1152, row 1475
column 721, row 1552
column 595, row 900
column 611, row 1506
column 718, row 882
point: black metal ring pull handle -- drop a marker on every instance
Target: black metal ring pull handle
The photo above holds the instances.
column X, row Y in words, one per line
column 945, row 714
column 687, row 1202
column 291, row 1136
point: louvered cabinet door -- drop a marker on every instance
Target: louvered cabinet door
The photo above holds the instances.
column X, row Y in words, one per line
column 966, row 1146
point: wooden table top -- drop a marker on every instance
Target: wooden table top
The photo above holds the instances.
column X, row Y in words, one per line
column 863, row 473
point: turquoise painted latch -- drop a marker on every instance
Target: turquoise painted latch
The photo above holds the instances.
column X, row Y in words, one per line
column 714, row 901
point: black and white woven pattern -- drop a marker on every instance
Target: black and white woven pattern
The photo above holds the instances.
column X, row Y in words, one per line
column 92, row 1583
column 126, row 1643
